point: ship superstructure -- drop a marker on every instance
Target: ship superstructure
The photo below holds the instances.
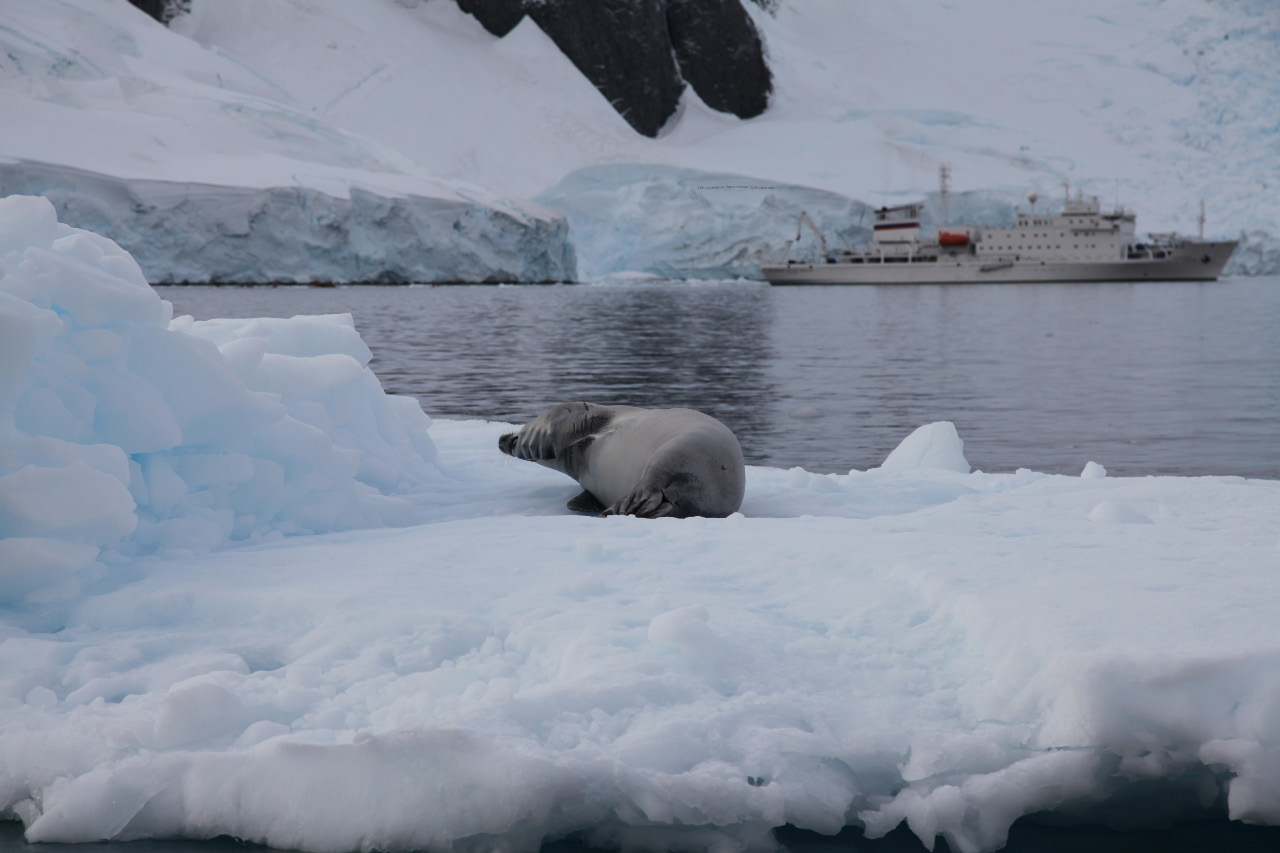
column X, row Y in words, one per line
column 1081, row 243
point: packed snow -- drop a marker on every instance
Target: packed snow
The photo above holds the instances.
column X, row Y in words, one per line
column 245, row 592
column 217, row 155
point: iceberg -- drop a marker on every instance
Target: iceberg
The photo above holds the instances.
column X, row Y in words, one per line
column 125, row 431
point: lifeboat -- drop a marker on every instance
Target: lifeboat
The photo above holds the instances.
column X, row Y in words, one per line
column 952, row 238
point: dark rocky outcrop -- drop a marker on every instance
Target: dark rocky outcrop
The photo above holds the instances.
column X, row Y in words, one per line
column 163, row 11
column 623, row 48
column 497, row 16
column 720, row 55
column 641, row 53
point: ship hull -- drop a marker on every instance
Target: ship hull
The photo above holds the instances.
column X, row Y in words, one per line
column 1190, row 261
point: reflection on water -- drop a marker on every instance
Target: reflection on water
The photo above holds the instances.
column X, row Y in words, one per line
column 1144, row 378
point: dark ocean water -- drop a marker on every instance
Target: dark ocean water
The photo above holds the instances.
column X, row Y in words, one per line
column 1149, row 378
column 1208, row 836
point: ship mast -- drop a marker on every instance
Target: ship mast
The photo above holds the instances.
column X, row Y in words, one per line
column 944, row 178
column 1200, row 221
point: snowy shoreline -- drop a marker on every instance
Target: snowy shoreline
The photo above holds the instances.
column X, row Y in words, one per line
column 245, row 592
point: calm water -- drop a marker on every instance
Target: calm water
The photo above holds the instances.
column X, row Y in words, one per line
column 1143, row 378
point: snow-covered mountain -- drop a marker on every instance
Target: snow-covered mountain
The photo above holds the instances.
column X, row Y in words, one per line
column 1153, row 104
column 207, row 170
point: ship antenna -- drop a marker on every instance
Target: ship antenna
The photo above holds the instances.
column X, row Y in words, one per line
column 1032, row 197
column 944, row 177
column 1200, row 220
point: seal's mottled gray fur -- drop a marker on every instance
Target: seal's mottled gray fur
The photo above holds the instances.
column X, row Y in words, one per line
column 632, row 461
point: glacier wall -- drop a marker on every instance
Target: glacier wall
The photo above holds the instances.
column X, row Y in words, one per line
column 206, row 233
column 1257, row 254
column 689, row 223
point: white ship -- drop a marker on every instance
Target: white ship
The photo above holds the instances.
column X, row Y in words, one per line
column 1082, row 243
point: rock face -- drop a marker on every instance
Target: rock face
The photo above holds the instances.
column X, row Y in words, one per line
column 163, row 11
column 720, row 55
column 641, row 53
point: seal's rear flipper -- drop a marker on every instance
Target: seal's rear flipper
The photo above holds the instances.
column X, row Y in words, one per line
column 642, row 504
column 585, row 502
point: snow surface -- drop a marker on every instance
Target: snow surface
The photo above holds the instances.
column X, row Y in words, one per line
column 183, row 652
column 219, row 153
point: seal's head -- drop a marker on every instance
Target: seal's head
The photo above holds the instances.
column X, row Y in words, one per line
column 507, row 443
column 552, row 436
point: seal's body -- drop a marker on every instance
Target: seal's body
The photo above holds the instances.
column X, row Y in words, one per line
column 631, row 461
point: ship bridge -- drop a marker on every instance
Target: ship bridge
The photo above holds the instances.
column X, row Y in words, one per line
column 896, row 225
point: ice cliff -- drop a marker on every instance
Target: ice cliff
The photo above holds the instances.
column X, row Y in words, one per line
column 197, row 232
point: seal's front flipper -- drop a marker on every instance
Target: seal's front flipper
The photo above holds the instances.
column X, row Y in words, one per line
column 643, row 503
column 585, row 502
